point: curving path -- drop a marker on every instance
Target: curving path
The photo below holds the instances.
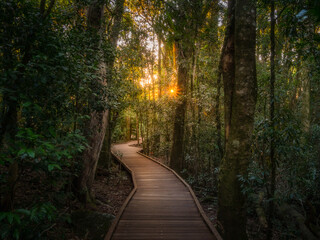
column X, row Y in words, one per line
column 161, row 207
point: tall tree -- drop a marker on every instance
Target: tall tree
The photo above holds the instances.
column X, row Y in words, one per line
column 188, row 16
column 232, row 211
column 99, row 119
column 227, row 66
column 272, row 123
column 177, row 151
column 113, row 42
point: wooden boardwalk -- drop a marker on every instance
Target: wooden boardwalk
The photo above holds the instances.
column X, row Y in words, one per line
column 161, row 205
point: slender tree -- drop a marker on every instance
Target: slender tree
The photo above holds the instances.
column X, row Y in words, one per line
column 272, row 137
column 177, row 151
column 113, row 42
column 188, row 18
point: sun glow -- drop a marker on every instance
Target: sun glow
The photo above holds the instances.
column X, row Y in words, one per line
column 173, row 91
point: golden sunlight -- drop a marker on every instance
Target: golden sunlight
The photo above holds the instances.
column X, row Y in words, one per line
column 173, row 91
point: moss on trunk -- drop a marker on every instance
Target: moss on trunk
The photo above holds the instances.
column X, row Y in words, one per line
column 232, row 210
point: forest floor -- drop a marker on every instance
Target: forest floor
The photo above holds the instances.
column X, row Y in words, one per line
column 111, row 188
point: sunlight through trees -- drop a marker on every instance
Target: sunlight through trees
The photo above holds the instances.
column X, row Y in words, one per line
column 226, row 93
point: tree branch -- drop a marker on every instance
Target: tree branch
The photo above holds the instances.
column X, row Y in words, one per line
column 46, row 14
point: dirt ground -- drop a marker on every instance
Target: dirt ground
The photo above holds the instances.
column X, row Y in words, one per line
column 111, row 190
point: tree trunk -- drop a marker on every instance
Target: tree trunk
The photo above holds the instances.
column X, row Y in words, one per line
column 306, row 103
column 218, row 117
column 9, row 133
column 214, row 50
column 192, row 132
column 113, row 40
column 128, row 128
column 177, row 151
column 232, row 210
column 105, row 155
column 147, row 134
column 227, row 67
column 99, row 120
column 159, row 66
column 137, row 129
column 272, row 123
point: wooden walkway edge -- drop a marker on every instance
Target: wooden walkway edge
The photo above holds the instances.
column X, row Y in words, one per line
column 182, row 223
column 124, row 205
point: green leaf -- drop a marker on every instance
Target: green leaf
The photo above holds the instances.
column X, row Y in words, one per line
column 53, row 166
column 2, row 216
column 10, row 217
column 52, row 132
column 17, row 218
column 33, row 214
column 49, row 146
column 31, row 153
column 16, row 234
column 21, row 151
column 23, row 211
column 68, row 219
column 27, row 104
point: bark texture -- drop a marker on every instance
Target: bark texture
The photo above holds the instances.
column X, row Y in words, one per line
column 188, row 18
column 177, row 156
column 306, row 104
column 227, row 66
column 113, row 40
column 99, row 120
column 232, row 210
column 272, row 122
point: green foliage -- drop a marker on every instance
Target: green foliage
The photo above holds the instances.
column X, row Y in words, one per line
column 21, row 223
column 48, row 87
column 50, row 84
